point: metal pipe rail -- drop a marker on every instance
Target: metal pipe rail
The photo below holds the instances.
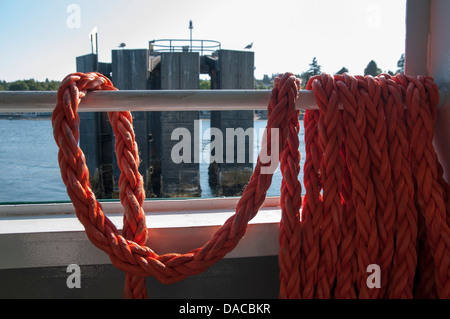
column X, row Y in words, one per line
column 150, row 100
column 157, row 100
column 177, row 45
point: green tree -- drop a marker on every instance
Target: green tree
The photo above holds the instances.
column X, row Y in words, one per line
column 53, row 86
column 33, row 85
column 19, row 86
column 205, row 84
column 3, row 86
column 342, row 71
column 29, row 85
column 372, row 69
column 401, row 64
column 314, row 69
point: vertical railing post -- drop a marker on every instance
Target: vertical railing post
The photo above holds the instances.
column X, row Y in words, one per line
column 439, row 68
column 427, row 53
column 417, row 32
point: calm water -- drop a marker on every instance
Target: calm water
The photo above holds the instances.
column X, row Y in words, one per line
column 29, row 170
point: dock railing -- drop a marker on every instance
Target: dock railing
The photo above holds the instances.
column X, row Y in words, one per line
column 184, row 45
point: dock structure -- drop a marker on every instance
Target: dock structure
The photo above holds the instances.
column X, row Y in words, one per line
column 169, row 68
column 130, row 72
column 233, row 70
column 175, row 71
column 96, row 136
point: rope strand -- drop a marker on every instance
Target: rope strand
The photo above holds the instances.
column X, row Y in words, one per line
column 380, row 170
column 312, row 212
column 332, row 166
column 430, row 194
column 290, row 199
column 405, row 258
column 363, row 193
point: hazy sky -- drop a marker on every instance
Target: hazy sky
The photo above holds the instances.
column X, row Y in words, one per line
column 41, row 38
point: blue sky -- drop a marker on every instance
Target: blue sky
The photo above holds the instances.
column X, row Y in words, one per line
column 40, row 39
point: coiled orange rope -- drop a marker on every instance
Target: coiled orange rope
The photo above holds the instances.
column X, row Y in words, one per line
column 374, row 191
column 395, row 206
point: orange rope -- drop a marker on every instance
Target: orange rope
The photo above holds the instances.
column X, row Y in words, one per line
column 312, row 211
column 291, row 191
column 405, row 258
column 381, row 171
column 128, row 251
column 398, row 193
column 422, row 99
column 347, row 261
column 332, row 165
column 375, row 192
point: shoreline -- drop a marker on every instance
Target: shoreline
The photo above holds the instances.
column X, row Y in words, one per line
column 25, row 116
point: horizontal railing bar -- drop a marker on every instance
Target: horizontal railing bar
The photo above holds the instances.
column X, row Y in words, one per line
column 150, row 100
column 150, row 206
column 217, row 43
column 158, row 100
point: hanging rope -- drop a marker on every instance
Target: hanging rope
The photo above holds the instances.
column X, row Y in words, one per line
column 422, row 99
column 330, row 137
column 395, row 201
column 291, row 190
column 312, row 210
column 405, row 258
column 128, row 252
column 375, row 193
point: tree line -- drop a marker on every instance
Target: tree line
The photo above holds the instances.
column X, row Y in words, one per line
column 316, row 69
column 30, row 85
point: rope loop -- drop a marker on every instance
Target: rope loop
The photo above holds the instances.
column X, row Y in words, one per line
column 128, row 251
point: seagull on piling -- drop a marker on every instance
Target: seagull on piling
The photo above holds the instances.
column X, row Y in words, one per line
column 249, row 46
column 122, row 45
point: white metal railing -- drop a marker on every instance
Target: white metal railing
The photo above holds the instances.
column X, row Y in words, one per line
column 183, row 45
column 157, row 100
column 150, row 100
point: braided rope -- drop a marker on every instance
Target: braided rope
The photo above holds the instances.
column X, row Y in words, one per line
column 421, row 100
column 375, row 192
column 405, row 258
column 363, row 193
column 347, row 260
column 312, row 211
column 131, row 195
column 332, row 166
column 291, row 192
column 426, row 287
column 128, row 251
column 381, row 171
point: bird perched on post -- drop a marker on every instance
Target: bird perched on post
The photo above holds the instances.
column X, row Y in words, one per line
column 249, row 46
column 122, row 45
